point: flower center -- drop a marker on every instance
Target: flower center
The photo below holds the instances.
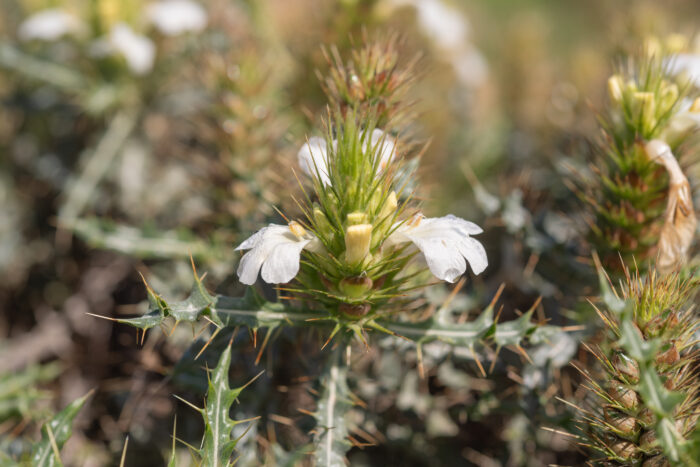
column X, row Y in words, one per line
column 297, row 229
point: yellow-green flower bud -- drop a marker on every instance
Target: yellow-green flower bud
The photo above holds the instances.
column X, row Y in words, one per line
column 669, row 96
column 389, row 207
column 355, row 287
column 357, row 242
column 385, row 217
column 644, row 106
column 676, row 43
column 322, row 224
column 652, row 47
column 616, row 87
column 357, row 218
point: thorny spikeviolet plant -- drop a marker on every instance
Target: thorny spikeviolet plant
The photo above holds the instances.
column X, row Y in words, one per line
column 362, row 249
column 643, row 399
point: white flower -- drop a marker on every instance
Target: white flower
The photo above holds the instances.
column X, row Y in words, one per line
column 313, row 155
column 276, row 249
column 688, row 64
column 173, row 17
column 138, row 51
column 48, row 25
column 445, row 243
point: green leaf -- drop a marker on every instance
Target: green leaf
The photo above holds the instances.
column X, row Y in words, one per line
column 669, row 439
column 218, row 444
column 513, row 332
column 191, row 309
column 634, row 344
column 61, row 428
column 656, row 397
column 611, row 300
column 331, row 443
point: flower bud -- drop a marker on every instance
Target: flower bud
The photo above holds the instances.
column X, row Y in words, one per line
column 646, row 416
column 357, row 218
column 669, row 96
column 648, row 440
column 322, row 224
column 696, row 106
column 657, row 461
column 676, row 43
column 644, row 107
column 357, row 310
column 669, row 357
column 389, row 206
column 624, row 395
column 384, row 218
column 621, row 422
column 357, row 241
column 627, row 367
column 652, row 47
column 615, row 87
column 624, row 449
column 355, row 287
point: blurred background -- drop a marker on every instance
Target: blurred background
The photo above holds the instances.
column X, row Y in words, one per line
column 133, row 137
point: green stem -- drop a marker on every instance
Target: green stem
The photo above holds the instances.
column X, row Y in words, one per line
column 331, row 430
column 57, row 75
column 81, row 190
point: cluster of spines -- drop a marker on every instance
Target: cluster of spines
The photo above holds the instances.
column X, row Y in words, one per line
column 622, row 422
column 627, row 192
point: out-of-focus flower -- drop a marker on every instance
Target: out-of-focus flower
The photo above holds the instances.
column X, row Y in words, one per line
column 138, row 51
column 313, row 155
column 679, row 219
column 49, row 25
column 445, row 243
column 449, row 30
column 275, row 249
column 687, row 65
column 173, row 17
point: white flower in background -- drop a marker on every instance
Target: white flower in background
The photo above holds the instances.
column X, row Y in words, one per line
column 686, row 64
column 138, row 51
column 313, row 155
column 449, row 30
column 445, row 243
column 173, row 17
column 687, row 117
column 48, row 25
column 276, row 249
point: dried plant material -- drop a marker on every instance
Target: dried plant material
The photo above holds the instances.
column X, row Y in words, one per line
column 679, row 219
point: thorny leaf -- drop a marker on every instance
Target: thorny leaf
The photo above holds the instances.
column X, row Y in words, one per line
column 218, row 444
column 61, row 428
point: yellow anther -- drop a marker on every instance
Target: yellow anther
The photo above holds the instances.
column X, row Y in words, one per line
column 297, row 229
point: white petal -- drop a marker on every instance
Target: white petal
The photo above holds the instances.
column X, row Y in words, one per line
column 445, row 25
column 460, row 224
column 48, row 25
column 313, row 159
column 445, row 244
column 275, row 250
column 138, row 50
column 441, row 257
column 384, row 145
column 475, row 253
column 283, row 262
column 686, row 63
column 249, row 266
column 173, row 17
